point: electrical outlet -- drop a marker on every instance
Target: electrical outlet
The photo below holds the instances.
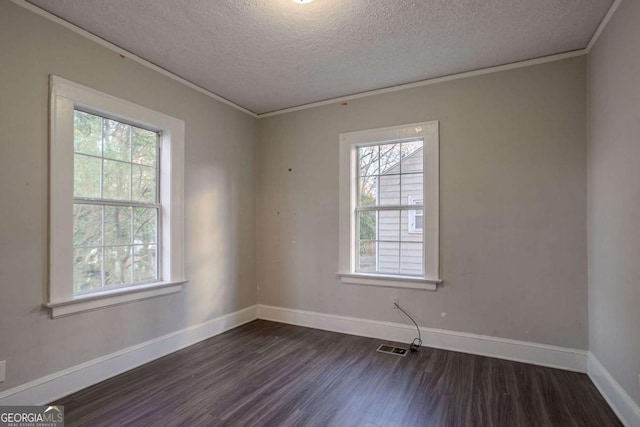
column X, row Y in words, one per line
column 396, row 301
column 3, row 368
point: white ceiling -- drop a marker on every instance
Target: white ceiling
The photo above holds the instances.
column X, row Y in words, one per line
column 267, row 55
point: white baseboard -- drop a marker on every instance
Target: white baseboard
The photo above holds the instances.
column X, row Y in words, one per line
column 519, row 351
column 622, row 404
column 63, row 383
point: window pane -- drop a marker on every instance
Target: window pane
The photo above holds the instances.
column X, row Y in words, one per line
column 116, row 181
column 117, row 225
column 87, row 133
column 117, row 269
column 145, row 229
column 143, row 148
column 411, row 258
column 86, row 176
column 367, row 225
column 144, row 263
column 389, row 158
column 117, row 138
column 368, row 160
column 389, row 257
column 412, row 188
column 389, row 225
column 419, row 220
column 87, row 269
column 412, row 225
column 367, row 256
column 412, row 157
column 389, row 190
column 368, row 191
column 87, row 225
column 144, row 184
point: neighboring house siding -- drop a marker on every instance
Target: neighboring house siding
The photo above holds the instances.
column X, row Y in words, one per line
column 393, row 226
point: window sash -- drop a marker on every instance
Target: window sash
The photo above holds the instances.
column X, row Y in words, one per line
column 131, row 163
column 380, row 208
column 378, row 175
column 104, row 202
column 358, row 241
column 350, row 170
column 157, row 243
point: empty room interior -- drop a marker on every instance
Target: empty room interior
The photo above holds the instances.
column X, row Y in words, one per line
column 320, row 213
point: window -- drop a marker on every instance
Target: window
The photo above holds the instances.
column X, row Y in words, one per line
column 389, row 206
column 416, row 216
column 116, row 201
column 116, row 204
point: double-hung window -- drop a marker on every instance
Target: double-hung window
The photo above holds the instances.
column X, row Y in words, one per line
column 116, row 191
column 389, row 206
column 116, row 204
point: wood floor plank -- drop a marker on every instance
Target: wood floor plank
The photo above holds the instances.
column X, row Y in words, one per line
column 272, row 374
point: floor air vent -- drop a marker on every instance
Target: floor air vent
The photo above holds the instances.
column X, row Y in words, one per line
column 389, row 349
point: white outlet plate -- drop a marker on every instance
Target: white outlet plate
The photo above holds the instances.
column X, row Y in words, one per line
column 3, row 368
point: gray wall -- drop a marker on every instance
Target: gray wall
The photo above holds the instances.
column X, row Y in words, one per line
column 513, row 205
column 219, row 203
column 614, row 197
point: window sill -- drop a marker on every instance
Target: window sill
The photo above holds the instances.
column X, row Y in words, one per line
column 112, row 297
column 389, row 281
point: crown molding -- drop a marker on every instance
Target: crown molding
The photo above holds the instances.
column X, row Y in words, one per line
column 603, row 24
column 479, row 72
column 125, row 53
column 427, row 82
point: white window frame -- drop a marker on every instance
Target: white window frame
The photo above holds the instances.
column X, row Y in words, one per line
column 65, row 97
column 349, row 143
column 411, row 226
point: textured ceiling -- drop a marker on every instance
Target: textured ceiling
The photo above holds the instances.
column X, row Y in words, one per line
column 267, row 55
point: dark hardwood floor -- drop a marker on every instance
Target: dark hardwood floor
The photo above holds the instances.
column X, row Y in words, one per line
column 272, row 374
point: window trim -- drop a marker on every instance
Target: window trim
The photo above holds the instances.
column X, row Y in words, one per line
column 65, row 97
column 429, row 132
